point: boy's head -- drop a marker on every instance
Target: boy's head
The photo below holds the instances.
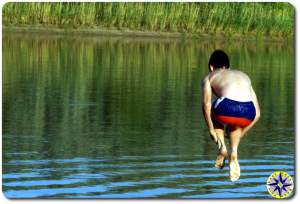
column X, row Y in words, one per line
column 218, row 59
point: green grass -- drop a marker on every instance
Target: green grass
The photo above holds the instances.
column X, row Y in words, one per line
column 259, row 19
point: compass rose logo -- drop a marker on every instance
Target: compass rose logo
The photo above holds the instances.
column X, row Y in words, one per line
column 280, row 184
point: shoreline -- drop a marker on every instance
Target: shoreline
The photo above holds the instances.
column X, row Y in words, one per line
column 101, row 31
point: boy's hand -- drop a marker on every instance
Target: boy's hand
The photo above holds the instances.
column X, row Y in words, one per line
column 213, row 135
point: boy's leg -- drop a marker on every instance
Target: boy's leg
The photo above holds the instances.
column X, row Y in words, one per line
column 220, row 161
column 234, row 136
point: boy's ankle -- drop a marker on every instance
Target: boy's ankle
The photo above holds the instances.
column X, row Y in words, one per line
column 233, row 156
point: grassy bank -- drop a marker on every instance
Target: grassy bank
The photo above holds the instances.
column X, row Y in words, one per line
column 255, row 19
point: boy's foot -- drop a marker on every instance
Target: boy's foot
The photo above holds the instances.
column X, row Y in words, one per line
column 234, row 168
column 220, row 161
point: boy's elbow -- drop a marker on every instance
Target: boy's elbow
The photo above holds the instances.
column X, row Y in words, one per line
column 258, row 115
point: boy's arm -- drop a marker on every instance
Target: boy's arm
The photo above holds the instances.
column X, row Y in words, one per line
column 257, row 115
column 206, row 107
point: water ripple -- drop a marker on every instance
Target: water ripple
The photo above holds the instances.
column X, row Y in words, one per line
column 134, row 177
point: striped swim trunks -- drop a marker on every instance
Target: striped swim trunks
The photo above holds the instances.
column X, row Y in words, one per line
column 233, row 113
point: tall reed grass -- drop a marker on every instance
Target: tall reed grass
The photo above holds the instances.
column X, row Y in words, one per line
column 267, row 19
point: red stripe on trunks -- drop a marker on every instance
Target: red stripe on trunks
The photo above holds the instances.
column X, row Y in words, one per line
column 233, row 121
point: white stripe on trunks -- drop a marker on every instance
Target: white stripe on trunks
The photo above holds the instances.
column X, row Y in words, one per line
column 219, row 100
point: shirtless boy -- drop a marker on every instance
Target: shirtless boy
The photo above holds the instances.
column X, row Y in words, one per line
column 236, row 108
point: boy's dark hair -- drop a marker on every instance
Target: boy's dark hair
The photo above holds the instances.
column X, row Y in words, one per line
column 218, row 59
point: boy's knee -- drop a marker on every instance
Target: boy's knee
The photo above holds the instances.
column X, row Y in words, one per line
column 234, row 150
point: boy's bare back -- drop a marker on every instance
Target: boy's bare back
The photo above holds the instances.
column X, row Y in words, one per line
column 232, row 84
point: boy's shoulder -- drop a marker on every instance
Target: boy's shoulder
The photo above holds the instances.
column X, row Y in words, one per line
column 206, row 79
column 243, row 74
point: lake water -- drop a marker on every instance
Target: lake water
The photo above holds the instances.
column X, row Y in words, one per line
column 120, row 117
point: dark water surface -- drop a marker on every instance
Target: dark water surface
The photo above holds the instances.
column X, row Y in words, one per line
column 118, row 117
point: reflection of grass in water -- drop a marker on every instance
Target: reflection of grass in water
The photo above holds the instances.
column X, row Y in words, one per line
column 147, row 92
column 272, row 19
